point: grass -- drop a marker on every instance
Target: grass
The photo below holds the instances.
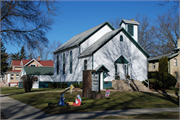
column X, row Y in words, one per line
column 117, row 101
column 16, row 90
column 164, row 115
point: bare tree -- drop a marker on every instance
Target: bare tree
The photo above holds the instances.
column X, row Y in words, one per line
column 145, row 33
column 25, row 22
column 43, row 51
column 115, row 23
column 166, row 31
column 173, row 8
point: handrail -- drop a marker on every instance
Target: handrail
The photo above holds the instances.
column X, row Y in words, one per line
column 128, row 81
column 147, row 83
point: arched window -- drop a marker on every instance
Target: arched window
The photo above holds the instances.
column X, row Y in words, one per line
column 85, row 64
column 70, row 59
column 57, row 65
column 121, row 38
column 63, row 63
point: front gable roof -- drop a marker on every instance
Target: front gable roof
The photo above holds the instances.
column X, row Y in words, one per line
column 106, row 38
column 121, row 60
column 129, row 22
column 101, row 68
column 32, row 61
column 80, row 38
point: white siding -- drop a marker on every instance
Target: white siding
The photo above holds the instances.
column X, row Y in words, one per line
column 112, row 50
column 95, row 37
column 135, row 33
column 135, row 29
column 77, row 66
column 123, row 25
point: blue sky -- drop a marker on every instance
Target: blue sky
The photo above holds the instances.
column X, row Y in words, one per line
column 78, row 16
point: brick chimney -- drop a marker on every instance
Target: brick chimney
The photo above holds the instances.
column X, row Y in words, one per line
column 132, row 20
column 38, row 58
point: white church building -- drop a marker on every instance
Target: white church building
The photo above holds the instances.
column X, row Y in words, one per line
column 117, row 50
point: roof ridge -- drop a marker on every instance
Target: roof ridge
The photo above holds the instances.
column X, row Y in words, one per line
column 81, row 37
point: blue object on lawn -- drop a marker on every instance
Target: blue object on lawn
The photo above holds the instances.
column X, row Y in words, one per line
column 61, row 101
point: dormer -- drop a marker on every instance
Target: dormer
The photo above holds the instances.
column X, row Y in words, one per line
column 131, row 26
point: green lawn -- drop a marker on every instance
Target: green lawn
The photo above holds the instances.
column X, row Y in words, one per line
column 16, row 90
column 117, row 101
column 164, row 115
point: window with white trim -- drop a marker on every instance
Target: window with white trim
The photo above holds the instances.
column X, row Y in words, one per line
column 12, row 76
column 57, row 65
column 131, row 29
column 17, row 76
column 175, row 62
column 85, row 64
column 121, row 38
column 63, row 63
column 33, row 65
column 70, row 59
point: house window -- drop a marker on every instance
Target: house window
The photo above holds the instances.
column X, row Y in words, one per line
column 63, row 63
column 70, row 67
column 116, row 70
column 57, row 65
column 17, row 76
column 153, row 65
column 12, row 76
column 32, row 65
column 121, row 38
column 175, row 62
column 85, row 64
column 131, row 30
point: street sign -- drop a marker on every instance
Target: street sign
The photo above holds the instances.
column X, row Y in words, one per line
column 95, row 82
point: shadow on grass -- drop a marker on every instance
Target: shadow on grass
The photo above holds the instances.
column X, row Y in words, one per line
column 166, row 97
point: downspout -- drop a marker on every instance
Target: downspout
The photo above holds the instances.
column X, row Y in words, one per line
column 92, row 61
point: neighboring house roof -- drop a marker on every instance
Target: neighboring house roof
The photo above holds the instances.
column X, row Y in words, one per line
column 129, row 22
column 169, row 56
column 41, row 62
column 39, row 70
column 24, row 61
column 46, row 63
column 14, row 71
column 31, row 62
column 105, row 38
column 78, row 39
column 16, row 62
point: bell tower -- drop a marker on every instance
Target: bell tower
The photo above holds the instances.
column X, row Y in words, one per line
column 131, row 26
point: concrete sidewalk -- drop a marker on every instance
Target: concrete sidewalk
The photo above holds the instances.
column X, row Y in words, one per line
column 14, row 109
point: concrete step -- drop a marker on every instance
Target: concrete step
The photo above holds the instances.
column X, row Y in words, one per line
column 135, row 85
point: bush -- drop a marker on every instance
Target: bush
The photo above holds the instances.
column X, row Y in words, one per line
column 109, row 88
column 81, row 85
column 28, row 81
column 64, row 85
column 54, row 85
column 76, row 85
column 157, row 83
